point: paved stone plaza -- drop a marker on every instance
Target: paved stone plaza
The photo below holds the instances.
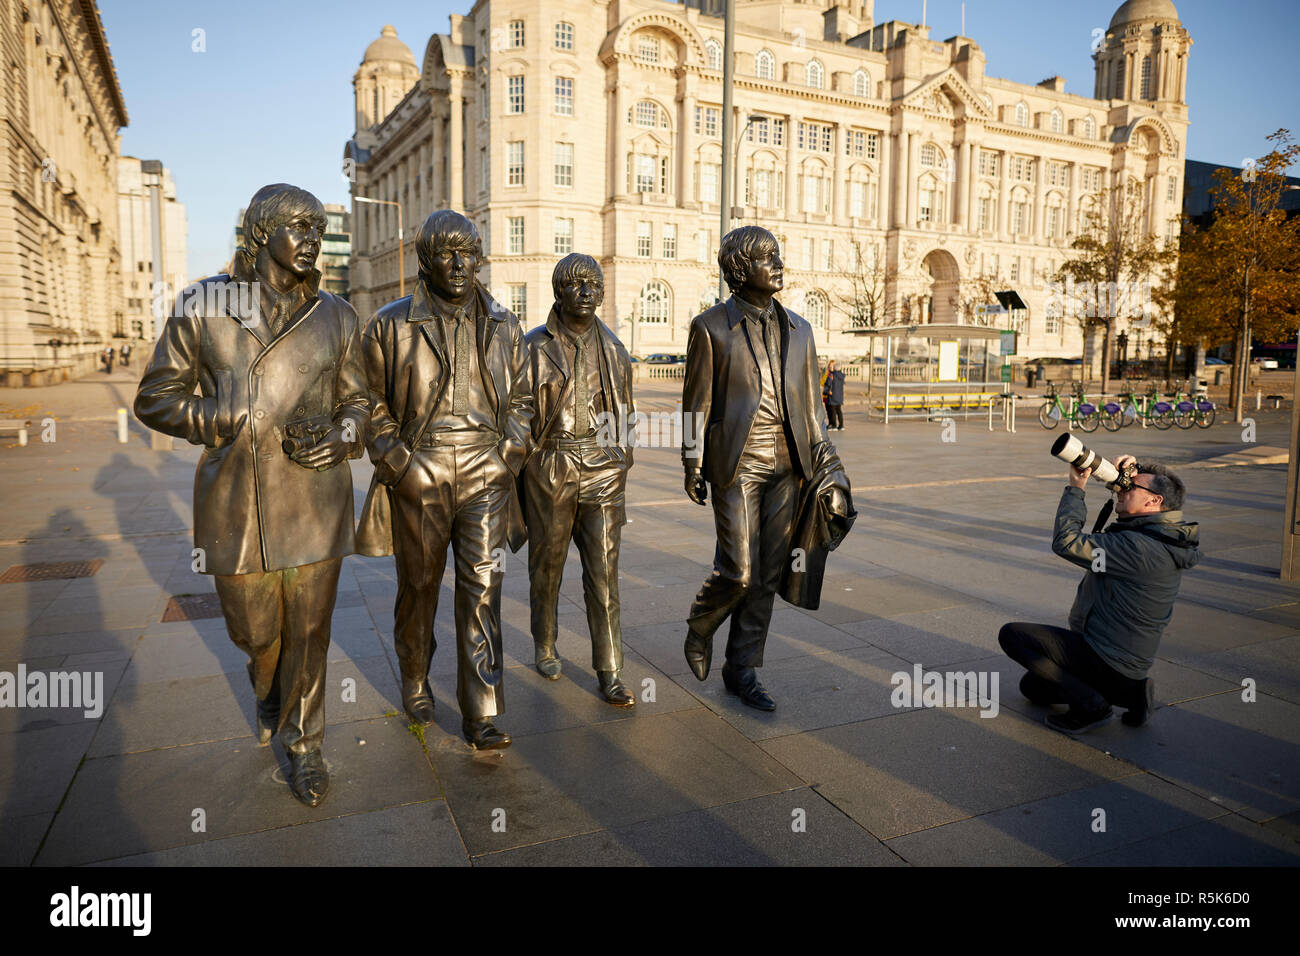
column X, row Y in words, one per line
column 952, row 541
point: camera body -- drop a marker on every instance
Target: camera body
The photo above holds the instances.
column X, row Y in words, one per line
column 1069, row 449
column 302, row 435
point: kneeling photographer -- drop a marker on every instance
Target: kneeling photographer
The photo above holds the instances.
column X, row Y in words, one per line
column 1132, row 572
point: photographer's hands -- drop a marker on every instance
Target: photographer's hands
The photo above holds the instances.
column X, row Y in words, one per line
column 1079, row 477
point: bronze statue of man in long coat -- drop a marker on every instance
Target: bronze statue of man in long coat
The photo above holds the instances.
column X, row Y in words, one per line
column 281, row 403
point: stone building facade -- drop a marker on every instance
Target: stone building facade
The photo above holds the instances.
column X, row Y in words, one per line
column 879, row 156
column 61, row 299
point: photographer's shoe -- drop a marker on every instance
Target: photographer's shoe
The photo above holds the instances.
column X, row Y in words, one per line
column 1075, row 722
column 1038, row 691
column 1139, row 714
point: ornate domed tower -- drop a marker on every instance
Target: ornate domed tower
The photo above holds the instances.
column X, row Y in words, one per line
column 1143, row 57
column 387, row 73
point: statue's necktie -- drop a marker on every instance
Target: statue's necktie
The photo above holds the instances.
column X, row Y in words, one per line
column 581, row 420
column 772, row 338
column 460, row 387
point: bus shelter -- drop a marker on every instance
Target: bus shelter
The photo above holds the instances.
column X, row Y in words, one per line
column 936, row 368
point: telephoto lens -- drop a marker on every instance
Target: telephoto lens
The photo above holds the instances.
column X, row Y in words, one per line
column 1069, row 449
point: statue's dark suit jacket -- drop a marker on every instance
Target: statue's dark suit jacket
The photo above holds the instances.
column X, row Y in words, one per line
column 722, row 390
column 408, row 372
column 255, row 509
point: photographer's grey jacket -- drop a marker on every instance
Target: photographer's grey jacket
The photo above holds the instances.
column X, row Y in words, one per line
column 1123, row 610
column 231, row 386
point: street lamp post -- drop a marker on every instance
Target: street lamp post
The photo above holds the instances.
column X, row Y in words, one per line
column 401, row 257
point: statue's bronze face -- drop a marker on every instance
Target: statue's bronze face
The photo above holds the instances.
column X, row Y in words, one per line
column 295, row 245
column 766, row 274
column 452, row 273
column 581, row 296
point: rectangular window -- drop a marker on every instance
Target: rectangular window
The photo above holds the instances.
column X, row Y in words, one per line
column 1015, row 269
column 515, row 235
column 778, row 132
column 1053, row 221
column 808, row 254
column 1172, row 190
column 925, row 204
column 643, row 240
column 647, row 48
column 563, row 36
column 1017, row 218
column 519, row 302
column 1051, row 321
column 707, row 119
column 516, row 34
column 988, row 163
column 482, row 170
column 857, row 200
column 670, row 241
column 709, row 183
column 763, row 189
column 645, row 173
column 563, row 164
column 815, row 137
column 564, row 96
column 810, row 187
column 563, row 236
column 759, row 131
column 514, row 94
column 515, row 163
column 828, row 254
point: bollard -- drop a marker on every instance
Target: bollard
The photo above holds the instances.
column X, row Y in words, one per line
column 22, row 436
column 121, row 426
column 1259, row 394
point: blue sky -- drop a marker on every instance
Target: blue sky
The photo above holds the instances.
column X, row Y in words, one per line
column 216, row 118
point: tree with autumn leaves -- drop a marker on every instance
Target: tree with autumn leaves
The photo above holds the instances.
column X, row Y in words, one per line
column 1238, row 278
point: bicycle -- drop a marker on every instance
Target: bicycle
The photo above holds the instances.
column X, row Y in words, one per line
column 1080, row 412
column 1192, row 410
column 1147, row 407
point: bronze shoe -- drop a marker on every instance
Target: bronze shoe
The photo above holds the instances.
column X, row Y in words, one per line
column 417, row 701
column 546, row 661
column 308, row 778
column 613, row 689
column 699, row 654
column 482, row 734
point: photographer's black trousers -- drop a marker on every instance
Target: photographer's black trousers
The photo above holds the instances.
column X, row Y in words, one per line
column 1066, row 670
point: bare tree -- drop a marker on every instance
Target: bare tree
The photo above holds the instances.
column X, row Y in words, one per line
column 866, row 292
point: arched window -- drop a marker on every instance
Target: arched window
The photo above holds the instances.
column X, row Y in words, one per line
column 1146, row 78
column 1058, row 121
column 648, row 115
column 861, row 83
column 656, row 303
column 1089, row 128
column 814, row 308
column 816, row 74
column 1022, row 114
column 564, row 35
column 765, row 65
column 713, row 52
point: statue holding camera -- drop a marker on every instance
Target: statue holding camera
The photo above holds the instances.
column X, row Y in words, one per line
column 281, row 403
column 1132, row 572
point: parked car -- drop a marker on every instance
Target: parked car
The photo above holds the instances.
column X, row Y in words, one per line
column 1215, row 361
column 1265, row 362
column 663, row 358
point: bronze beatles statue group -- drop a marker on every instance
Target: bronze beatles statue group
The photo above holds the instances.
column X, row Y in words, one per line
column 482, row 437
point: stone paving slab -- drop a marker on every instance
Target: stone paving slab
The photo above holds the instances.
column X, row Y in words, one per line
column 1061, row 828
column 924, row 768
column 573, row 781
column 1226, row 841
column 812, row 692
column 418, row 834
column 757, row 832
column 175, row 713
column 1245, row 756
column 129, row 804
